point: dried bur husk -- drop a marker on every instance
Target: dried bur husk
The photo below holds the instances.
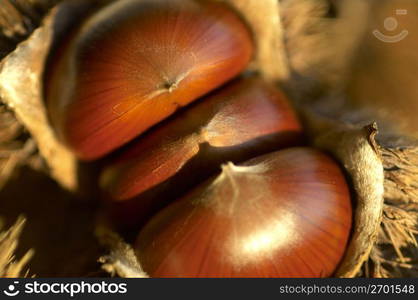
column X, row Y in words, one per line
column 396, row 251
column 320, row 45
column 386, row 246
column 121, row 260
column 10, row 266
column 299, row 45
column 29, row 149
column 383, row 73
column 21, row 88
column 17, row 20
column 16, row 148
column 384, row 179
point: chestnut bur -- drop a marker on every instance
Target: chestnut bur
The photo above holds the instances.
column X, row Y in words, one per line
column 247, row 118
column 284, row 214
column 159, row 128
column 120, row 81
column 134, row 63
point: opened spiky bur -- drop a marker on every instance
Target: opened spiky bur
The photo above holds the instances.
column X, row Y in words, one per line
column 291, row 41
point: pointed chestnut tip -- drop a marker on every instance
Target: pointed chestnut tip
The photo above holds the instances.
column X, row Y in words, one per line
column 229, row 168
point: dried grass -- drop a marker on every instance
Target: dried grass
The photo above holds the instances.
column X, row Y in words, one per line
column 9, row 241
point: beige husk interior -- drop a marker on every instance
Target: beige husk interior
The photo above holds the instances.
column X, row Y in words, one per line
column 299, row 46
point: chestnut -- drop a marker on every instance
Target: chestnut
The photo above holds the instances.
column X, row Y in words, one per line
column 247, row 118
column 134, row 63
column 284, row 214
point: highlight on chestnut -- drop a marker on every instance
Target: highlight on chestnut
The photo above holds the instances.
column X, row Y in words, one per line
column 284, row 214
column 134, row 63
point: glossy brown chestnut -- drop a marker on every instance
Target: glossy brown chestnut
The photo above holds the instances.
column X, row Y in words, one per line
column 134, row 63
column 248, row 117
column 284, row 214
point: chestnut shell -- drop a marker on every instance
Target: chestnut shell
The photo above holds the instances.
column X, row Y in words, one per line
column 284, row 214
column 134, row 63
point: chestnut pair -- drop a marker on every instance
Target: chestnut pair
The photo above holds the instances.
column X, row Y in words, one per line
column 131, row 66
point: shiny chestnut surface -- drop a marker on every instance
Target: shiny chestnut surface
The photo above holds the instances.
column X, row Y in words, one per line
column 249, row 114
column 284, row 214
column 248, row 117
column 134, row 63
